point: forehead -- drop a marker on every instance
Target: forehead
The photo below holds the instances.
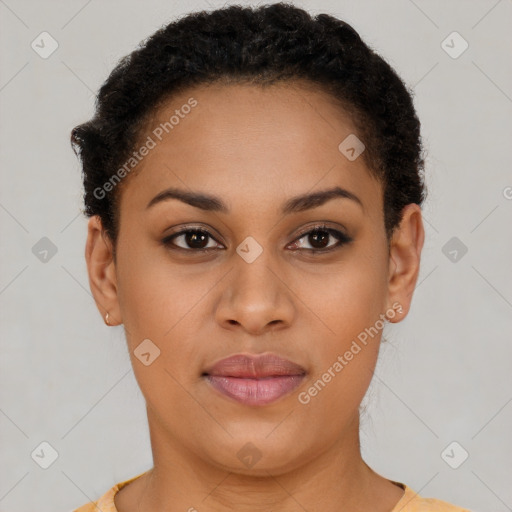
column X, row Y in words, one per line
column 250, row 145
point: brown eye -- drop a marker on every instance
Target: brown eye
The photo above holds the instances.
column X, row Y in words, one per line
column 319, row 239
column 192, row 240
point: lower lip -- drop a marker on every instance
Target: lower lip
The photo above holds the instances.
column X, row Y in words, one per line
column 260, row 391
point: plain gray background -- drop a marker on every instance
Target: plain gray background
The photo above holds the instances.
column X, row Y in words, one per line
column 445, row 374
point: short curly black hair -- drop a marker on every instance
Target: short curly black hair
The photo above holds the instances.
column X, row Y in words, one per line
column 265, row 45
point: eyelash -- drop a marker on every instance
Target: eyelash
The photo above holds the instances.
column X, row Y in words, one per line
column 342, row 238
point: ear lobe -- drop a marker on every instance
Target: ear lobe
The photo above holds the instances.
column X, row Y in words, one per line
column 101, row 270
column 404, row 259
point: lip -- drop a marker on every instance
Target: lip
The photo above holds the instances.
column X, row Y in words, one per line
column 255, row 379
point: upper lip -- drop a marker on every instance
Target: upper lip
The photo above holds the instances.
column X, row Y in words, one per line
column 254, row 366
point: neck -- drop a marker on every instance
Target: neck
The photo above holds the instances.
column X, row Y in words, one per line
column 337, row 479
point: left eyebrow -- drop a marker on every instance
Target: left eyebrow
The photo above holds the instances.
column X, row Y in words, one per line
column 295, row 204
column 316, row 199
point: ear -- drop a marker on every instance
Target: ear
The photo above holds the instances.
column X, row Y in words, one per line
column 102, row 271
column 404, row 261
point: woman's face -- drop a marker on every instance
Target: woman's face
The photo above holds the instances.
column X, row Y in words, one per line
column 264, row 285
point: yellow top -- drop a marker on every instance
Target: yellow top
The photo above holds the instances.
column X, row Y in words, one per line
column 410, row 501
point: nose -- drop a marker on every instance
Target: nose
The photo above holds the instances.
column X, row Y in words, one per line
column 256, row 297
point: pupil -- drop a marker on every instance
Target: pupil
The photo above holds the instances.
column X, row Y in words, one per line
column 319, row 234
column 195, row 238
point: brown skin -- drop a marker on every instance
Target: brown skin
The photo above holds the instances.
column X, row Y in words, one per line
column 254, row 148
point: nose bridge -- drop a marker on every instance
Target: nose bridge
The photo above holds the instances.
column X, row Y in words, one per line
column 256, row 294
column 253, row 277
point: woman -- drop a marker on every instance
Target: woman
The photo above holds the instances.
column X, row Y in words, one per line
column 254, row 182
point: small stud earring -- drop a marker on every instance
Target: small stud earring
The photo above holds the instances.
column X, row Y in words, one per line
column 106, row 319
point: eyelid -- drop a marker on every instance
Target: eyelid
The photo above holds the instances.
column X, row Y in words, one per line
column 322, row 225
column 180, row 230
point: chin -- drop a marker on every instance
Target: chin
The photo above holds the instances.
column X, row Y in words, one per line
column 259, row 455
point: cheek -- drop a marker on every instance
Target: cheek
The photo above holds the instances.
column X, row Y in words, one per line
column 157, row 307
column 162, row 303
column 345, row 331
column 154, row 294
column 345, row 301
